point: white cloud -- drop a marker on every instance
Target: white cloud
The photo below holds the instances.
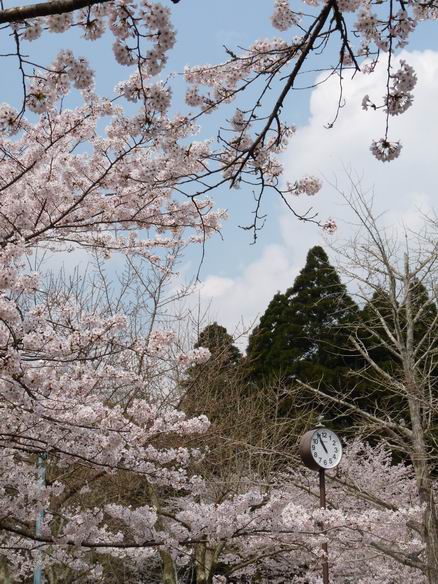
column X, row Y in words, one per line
column 238, row 301
column 216, row 287
column 401, row 187
column 398, row 185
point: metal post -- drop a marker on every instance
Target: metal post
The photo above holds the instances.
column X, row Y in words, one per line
column 38, row 574
column 325, row 566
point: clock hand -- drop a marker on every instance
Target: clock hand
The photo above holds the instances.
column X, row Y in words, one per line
column 323, row 445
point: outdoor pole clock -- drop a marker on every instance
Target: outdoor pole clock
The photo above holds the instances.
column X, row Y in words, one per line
column 320, row 448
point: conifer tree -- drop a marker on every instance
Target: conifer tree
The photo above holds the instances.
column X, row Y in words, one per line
column 378, row 319
column 264, row 346
column 208, row 384
column 220, row 344
column 302, row 331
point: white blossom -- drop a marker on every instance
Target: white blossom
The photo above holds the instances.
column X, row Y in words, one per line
column 384, row 150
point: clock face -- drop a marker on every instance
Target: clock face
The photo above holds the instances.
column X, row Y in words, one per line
column 325, row 448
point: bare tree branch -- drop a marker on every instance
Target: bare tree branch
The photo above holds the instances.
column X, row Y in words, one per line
column 19, row 13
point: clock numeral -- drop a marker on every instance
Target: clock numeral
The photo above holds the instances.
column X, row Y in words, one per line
column 324, row 447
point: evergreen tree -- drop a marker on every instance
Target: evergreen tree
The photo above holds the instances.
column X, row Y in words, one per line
column 371, row 328
column 378, row 324
column 426, row 330
column 264, row 346
column 369, row 394
column 302, row 332
column 221, row 345
column 208, row 384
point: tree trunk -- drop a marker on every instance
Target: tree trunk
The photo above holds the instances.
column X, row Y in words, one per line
column 169, row 575
column 206, row 561
column 4, row 572
column 424, row 486
column 169, row 572
column 418, row 408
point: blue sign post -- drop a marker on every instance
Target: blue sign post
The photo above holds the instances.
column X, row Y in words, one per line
column 38, row 573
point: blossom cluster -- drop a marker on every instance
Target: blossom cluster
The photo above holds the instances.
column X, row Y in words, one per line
column 9, row 120
column 126, row 20
column 308, row 185
column 283, row 17
column 195, row 357
column 156, row 97
column 400, row 97
column 46, row 88
column 385, row 150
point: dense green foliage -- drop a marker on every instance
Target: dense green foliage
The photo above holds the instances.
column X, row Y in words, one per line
column 306, row 334
column 302, row 332
column 220, row 344
column 210, row 383
column 381, row 324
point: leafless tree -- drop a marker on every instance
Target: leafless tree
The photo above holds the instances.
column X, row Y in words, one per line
column 406, row 327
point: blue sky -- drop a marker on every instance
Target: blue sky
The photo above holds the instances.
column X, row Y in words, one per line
column 203, row 27
column 239, row 278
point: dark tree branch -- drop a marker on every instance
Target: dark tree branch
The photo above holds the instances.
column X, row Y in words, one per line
column 19, row 13
column 306, row 47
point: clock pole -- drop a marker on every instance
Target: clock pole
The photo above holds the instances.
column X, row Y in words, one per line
column 321, row 449
column 325, row 567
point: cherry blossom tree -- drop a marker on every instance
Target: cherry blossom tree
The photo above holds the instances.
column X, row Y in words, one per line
column 79, row 400
column 273, row 532
column 66, row 187
column 246, row 153
column 108, row 179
